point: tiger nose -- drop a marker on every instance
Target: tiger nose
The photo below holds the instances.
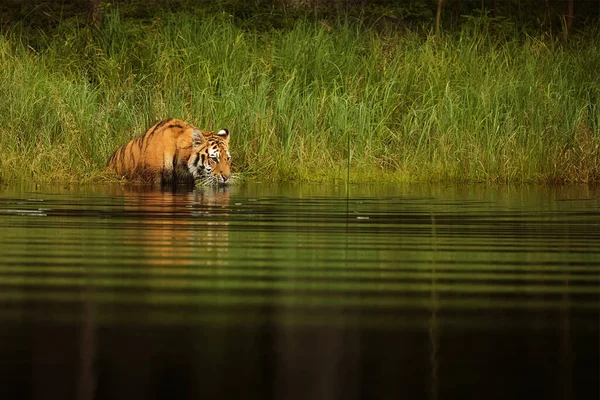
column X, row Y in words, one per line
column 224, row 177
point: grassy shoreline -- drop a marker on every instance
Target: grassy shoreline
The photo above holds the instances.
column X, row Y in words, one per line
column 471, row 106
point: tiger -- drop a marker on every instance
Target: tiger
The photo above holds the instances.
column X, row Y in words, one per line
column 173, row 151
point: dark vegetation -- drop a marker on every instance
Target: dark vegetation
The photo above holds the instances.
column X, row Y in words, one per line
column 531, row 16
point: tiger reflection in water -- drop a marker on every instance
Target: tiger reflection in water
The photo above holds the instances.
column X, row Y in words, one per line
column 178, row 230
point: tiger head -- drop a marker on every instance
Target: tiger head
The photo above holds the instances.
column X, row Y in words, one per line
column 210, row 159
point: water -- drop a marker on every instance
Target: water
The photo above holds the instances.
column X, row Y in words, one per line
column 299, row 292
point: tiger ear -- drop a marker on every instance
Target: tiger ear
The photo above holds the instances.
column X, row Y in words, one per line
column 197, row 138
column 224, row 133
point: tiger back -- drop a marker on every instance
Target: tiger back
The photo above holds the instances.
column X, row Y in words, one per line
column 173, row 151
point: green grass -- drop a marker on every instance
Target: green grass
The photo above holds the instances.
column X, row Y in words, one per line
column 470, row 106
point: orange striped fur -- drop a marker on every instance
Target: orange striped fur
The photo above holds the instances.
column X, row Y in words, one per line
column 173, row 151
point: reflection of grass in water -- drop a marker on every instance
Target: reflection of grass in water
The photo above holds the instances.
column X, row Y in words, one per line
column 534, row 284
column 306, row 278
column 300, row 101
column 291, row 299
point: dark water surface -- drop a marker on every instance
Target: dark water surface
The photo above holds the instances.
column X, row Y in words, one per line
column 297, row 292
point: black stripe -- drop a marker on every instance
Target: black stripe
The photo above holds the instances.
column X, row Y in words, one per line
column 143, row 143
column 149, row 133
column 174, row 170
column 161, row 123
column 131, row 155
column 146, row 140
column 174, row 126
column 112, row 157
column 122, row 159
column 158, row 125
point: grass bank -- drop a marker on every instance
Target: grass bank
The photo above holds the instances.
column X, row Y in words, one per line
column 470, row 106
